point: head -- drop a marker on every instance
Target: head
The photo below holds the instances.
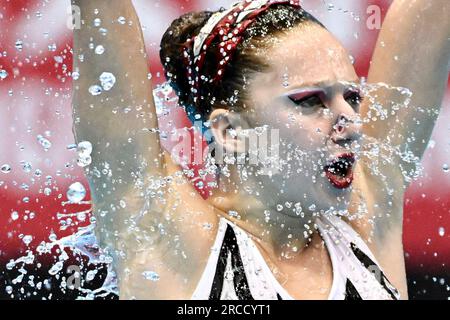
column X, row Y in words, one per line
column 290, row 76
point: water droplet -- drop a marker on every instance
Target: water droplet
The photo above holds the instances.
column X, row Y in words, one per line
column 9, row 289
column 3, row 74
column 10, row 265
column 352, row 59
column 99, row 49
column 207, row 226
column 27, row 239
column 84, row 161
column 75, row 75
column 122, row 20
column 103, row 31
column 26, row 166
column 122, row 203
column 76, row 192
column 108, row 80
column 260, row 130
column 97, row 22
column 84, row 148
column 312, row 207
column 233, row 213
column 285, row 79
column 47, row 191
column 14, row 215
column 445, row 168
column 81, row 216
column 200, row 184
column 19, row 45
column 431, row 144
column 95, row 90
column 57, row 267
column 150, row 275
column 266, row 215
column 52, row 47
column 44, row 142
column 91, row 275
column 6, row 168
column 52, row 237
column 441, row 231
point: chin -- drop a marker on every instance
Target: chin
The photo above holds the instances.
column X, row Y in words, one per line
column 333, row 198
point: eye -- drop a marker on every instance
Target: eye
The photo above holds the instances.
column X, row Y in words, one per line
column 308, row 102
column 353, row 98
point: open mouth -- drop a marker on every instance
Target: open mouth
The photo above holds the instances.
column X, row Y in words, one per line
column 339, row 171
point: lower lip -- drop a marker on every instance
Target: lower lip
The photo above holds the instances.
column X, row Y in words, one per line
column 340, row 182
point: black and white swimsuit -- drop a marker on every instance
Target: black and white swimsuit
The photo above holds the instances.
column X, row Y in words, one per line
column 236, row 269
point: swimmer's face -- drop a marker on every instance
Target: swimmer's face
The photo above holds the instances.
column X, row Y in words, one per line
column 309, row 87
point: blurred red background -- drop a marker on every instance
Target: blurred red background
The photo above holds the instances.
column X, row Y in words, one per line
column 35, row 99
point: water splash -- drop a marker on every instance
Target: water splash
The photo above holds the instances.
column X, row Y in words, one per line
column 82, row 243
column 374, row 151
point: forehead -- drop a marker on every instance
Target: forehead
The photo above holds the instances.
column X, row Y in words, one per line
column 307, row 55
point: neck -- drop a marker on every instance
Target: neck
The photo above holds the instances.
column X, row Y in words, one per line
column 280, row 233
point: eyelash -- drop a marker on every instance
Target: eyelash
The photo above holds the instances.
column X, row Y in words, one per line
column 353, row 98
column 301, row 102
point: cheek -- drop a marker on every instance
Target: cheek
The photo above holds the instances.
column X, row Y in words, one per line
column 306, row 132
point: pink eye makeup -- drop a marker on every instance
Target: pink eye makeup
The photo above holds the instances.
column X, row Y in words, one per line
column 312, row 97
column 308, row 97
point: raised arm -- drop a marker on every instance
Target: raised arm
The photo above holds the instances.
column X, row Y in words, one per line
column 413, row 52
column 119, row 121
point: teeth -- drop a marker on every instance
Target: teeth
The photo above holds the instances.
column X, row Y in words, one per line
column 340, row 167
column 339, row 170
column 342, row 161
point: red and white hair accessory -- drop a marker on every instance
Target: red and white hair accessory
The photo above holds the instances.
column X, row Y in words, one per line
column 228, row 26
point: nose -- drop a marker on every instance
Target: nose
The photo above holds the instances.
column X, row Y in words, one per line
column 347, row 127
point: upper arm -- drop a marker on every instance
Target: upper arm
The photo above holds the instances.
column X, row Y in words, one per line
column 120, row 123
column 412, row 52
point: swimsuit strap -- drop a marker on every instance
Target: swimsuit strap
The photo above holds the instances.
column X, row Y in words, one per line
column 236, row 270
column 354, row 262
